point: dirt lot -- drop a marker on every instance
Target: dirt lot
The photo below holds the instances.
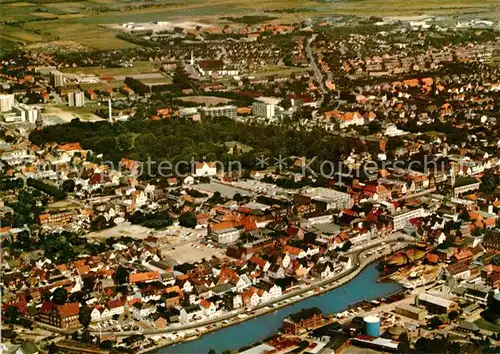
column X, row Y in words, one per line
column 123, row 229
column 190, row 252
column 208, row 100
column 67, row 114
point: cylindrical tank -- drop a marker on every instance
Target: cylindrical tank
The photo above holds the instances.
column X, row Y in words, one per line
column 372, row 326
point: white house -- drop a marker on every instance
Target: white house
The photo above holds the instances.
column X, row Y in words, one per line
column 243, row 283
column 205, row 169
column 190, row 313
column 285, row 262
column 95, row 315
column 275, row 291
column 187, row 287
column 237, row 301
column 324, row 270
column 100, row 314
column 141, row 310
column 208, row 308
column 254, row 300
column 345, row 261
column 276, row 271
column 264, row 295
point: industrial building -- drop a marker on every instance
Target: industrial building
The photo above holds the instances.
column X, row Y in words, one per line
column 435, row 304
column 324, row 198
column 410, row 311
column 378, row 344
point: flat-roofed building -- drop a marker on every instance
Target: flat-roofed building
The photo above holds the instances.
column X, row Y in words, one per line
column 225, row 235
column 411, row 311
column 228, row 111
column 435, row 304
column 266, row 107
column 325, row 198
column 400, row 219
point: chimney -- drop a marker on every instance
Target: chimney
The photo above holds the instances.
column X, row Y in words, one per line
column 110, row 109
column 490, row 209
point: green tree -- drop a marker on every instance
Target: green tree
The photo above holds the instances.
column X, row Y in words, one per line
column 68, row 186
column 238, row 197
column 188, row 219
column 286, row 103
column 60, row 296
column 121, row 275
column 84, row 317
column 125, row 141
column 12, row 313
column 489, row 182
column 374, row 126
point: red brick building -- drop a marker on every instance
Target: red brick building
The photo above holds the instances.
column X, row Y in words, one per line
column 61, row 316
column 305, row 319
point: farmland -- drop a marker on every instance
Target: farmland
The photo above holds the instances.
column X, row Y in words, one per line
column 82, row 21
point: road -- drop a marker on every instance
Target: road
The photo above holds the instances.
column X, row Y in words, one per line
column 313, row 65
column 359, row 264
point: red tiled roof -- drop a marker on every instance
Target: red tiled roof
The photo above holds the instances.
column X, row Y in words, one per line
column 138, row 277
column 67, row 310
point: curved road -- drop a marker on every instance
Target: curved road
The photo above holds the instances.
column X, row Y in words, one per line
column 345, row 277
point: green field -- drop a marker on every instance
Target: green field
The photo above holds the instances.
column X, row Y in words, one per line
column 278, row 71
column 81, row 21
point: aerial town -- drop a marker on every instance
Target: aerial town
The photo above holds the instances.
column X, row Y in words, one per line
column 252, row 184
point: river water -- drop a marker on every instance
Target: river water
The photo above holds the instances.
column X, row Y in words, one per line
column 363, row 287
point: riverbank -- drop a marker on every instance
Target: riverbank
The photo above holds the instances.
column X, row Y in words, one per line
column 255, row 329
column 361, row 261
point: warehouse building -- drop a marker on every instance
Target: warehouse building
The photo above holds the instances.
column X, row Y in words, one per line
column 410, row 311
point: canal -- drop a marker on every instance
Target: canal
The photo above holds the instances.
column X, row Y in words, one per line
column 363, row 287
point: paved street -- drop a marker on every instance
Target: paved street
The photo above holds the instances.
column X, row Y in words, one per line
column 313, row 65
